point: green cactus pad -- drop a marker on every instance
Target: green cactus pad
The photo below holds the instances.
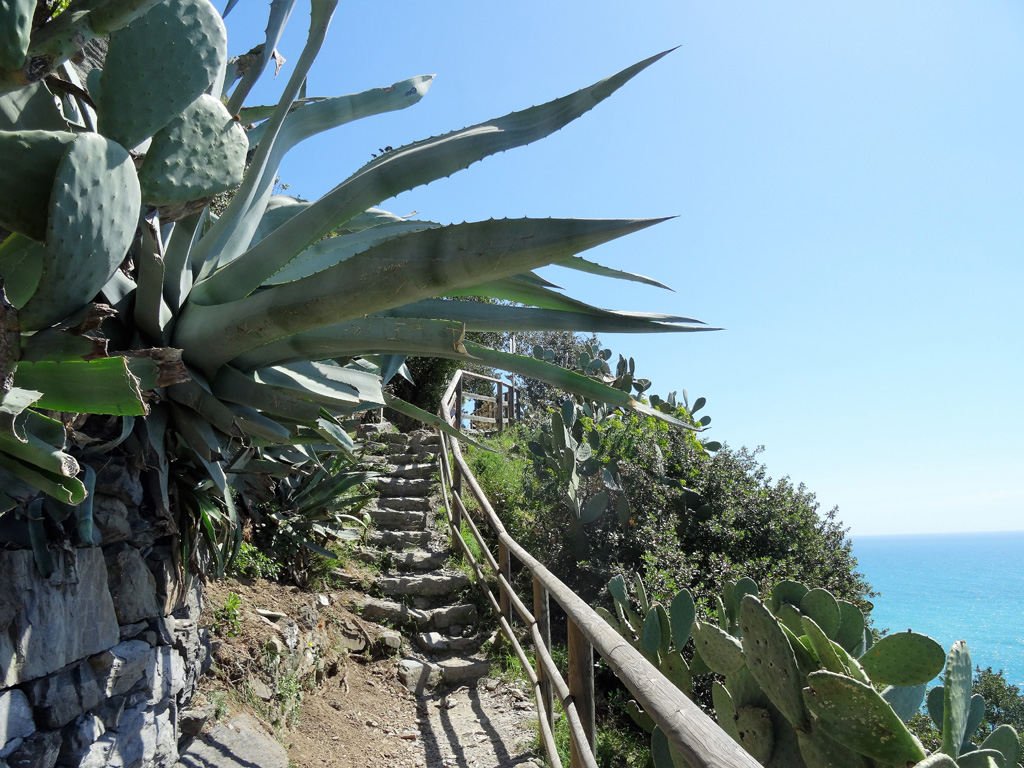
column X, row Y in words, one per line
column 744, row 690
column 823, row 647
column 938, row 760
column 956, row 697
column 904, row 658
column 770, row 659
column 675, row 668
column 853, row 667
column 15, row 31
column 617, row 588
column 698, row 666
column 905, row 700
column 789, row 616
column 745, row 586
column 975, row 714
column 722, row 612
column 663, row 754
column 682, row 613
column 756, row 732
column 851, row 627
column 30, row 162
column 181, row 48
column 722, row 651
column 650, row 637
column 935, row 705
column 612, row 621
column 201, row 152
column 1004, row 739
column 803, row 650
column 725, row 712
column 730, row 603
column 855, row 715
column 821, row 606
column 982, row 758
column 819, row 750
column 787, row 749
column 94, row 211
column 21, row 266
column 791, row 592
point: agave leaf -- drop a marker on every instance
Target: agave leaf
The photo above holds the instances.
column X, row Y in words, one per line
column 280, row 10
column 236, row 226
column 69, row 490
column 327, row 253
column 245, row 389
column 459, row 255
column 376, row 335
column 491, row 317
column 104, row 386
column 398, row 171
column 590, row 267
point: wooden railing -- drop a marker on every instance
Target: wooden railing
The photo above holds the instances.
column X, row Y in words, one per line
column 696, row 736
column 500, row 409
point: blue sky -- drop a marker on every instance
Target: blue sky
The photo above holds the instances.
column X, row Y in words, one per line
column 848, row 184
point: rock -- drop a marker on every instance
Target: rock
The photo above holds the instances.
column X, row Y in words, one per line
column 41, row 619
column 78, row 738
column 110, row 516
column 163, row 626
column 118, row 669
column 128, row 631
column 241, row 743
column 40, row 750
column 463, row 670
column 15, row 716
column 191, row 721
column 418, row 676
column 132, row 585
column 116, row 478
column 323, row 600
column 260, row 689
column 427, row 585
column 390, row 639
column 61, row 697
column 388, row 486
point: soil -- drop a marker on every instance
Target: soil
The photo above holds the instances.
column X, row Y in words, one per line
column 360, row 715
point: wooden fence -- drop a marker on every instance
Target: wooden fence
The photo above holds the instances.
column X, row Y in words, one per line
column 498, row 410
column 696, row 736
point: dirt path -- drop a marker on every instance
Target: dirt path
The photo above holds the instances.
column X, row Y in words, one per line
column 361, row 716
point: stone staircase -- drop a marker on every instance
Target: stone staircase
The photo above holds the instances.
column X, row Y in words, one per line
column 420, row 593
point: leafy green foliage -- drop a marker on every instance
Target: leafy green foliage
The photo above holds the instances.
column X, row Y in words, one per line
column 227, row 618
column 252, row 563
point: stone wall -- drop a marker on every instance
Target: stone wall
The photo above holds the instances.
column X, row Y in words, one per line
column 99, row 661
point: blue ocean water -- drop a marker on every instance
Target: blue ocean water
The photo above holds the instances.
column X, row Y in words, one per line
column 964, row 586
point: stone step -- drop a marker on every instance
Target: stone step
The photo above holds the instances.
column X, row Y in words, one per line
column 375, row 609
column 393, row 438
column 424, row 439
column 412, row 458
column 413, row 560
column 395, row 486
column 420, row 471
column 426, row 585
column 404, row 503
column 398, row 520
column 399, row 539
column 422, row 676
column 439, row 642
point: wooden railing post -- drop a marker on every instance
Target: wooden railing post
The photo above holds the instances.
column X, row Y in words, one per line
column 456, row 474
column 542, row 614
column 511, row 404
column 499, row 410
column 581, row 688
column 506, row 570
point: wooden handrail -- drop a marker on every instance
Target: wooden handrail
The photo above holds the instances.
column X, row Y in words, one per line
column 504, row 407
column 695, row 735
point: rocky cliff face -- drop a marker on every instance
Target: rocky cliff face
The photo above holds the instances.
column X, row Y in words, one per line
column 99, row 661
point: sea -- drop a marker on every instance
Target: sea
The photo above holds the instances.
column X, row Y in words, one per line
column 952, row 586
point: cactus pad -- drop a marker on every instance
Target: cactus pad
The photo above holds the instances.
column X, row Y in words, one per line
column 744, row 689
column 982, row 758
column 789, row 616
column 905, row 700
column 938, row 760
column 756, row 732
column 181, row 48
column 770, row 659
column 821, row 606
column 722, row 652
column 823, row 647
column 851, row 627
column 819, row 750
column 682, row 613
column 201, row 152
column 903, row 658
column 975, row 714
column 638, row 716
column 1004, row 739
column 30, row 162
column 94, row 211
column 674, row 667
column 791, row 592
column 651, row 636
column 855, row 715
column 725, row 712
column 15, row 31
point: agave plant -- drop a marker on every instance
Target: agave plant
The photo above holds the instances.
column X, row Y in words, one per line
column 276, row 322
